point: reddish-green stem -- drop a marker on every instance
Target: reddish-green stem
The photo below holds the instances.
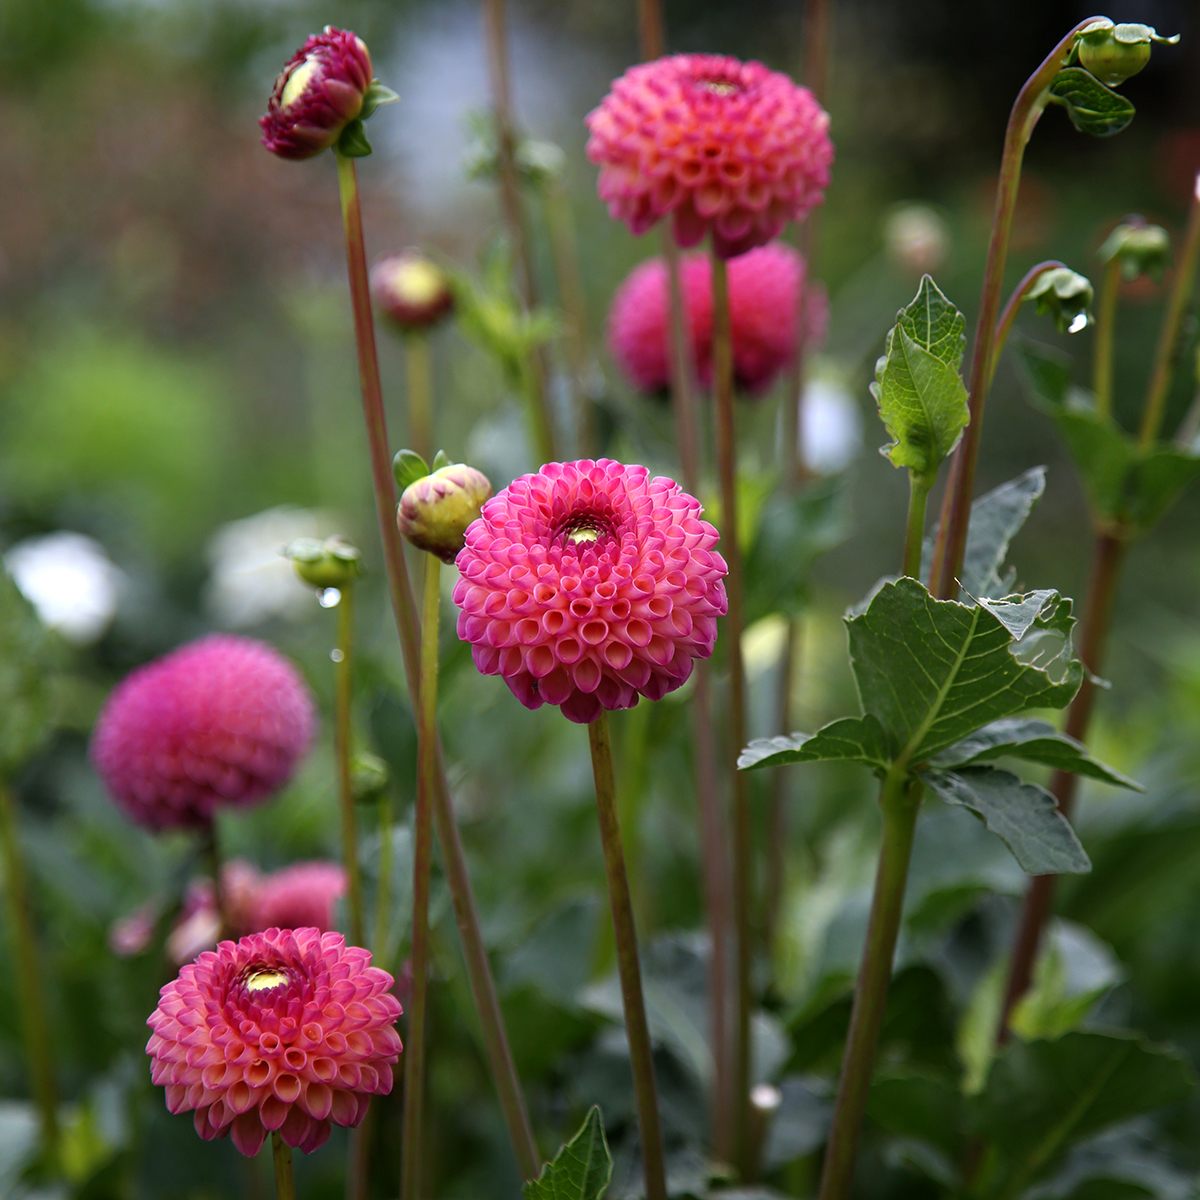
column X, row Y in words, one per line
column 427, row 769
column 637, row 1028
column 343, row 671
column 479, row 972
column 726, row 438
column 285, row 1180
column 1102, row 349
column 420, row 393
column 1009, row 315
column 956, row 506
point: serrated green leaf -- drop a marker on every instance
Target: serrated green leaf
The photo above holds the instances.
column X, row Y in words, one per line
column 408, row 466
column 1042, row 1096
column 1023, row 816
column 1032, row 740
column 352, row 141
column 933, row 323
column 1092, row 107
column 582, row 1168
column 851, row 739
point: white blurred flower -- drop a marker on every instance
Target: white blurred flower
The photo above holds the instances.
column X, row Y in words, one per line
column 831, row 426
column 917, row 238
column 70, row 582
column 251, row 581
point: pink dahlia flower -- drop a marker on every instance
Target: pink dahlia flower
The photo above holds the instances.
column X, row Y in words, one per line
column 723, row 146
column 765, row 289
column 289, row 1029
column 302, row 894
column 318, row 93
column 220, row 721
column 588, row 584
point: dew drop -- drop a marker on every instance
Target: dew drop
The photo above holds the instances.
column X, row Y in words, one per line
column 328, row 597
column 1080, row 322
column 336, row 655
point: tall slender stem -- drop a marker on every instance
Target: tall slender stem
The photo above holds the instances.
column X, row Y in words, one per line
column 777, row 816
column 637, row 1028
column 285, row 1181
column 650, row 29
column 1107, row 558
column 1009, row 315
column 39, row 1058
column 1102, row 348
column 383, row 885
column 914, row 532
column 727, row 470
column 479, row 972
column 414, row 1050
column 420, row 393
column 210, row 850
column 1168, row 339
column 343, row 672
column 900, row 800
column 956, row 506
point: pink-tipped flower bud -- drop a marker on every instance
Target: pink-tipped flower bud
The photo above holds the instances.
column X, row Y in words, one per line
column 412, row 292
column 436, row 509
column 318, row 93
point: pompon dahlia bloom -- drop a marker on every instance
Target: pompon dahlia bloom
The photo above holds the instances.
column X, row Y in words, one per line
column 765, row 288
column 223, row 720
column 723, row 146
column 317, row 94
column 288, row 1029
column 588, row 584
column 303, row 894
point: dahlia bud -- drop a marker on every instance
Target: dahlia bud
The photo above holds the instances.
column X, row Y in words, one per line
column 333, row 563
column 321, row 98
column 1142, row 249
column 414, row 292
column 1066, row 296
column 1115, row 52
column 435, row 510
column 369, row 776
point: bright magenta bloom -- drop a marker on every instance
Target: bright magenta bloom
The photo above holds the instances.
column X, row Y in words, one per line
column 588, row 584
column 765, row 289
column 289, row 1029
column 723, row 146
column 220, row 721
column 317, row 94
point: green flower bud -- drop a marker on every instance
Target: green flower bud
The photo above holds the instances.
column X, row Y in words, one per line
column 369, row 776
column 1142, row 249
column 1115, row 52
column 436, row 509
column 333, row 563
column 1066, row 296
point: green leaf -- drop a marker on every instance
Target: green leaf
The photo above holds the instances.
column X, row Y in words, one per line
column 1043, row 1095
column 921, row 1104
column 440, row 459
column 921, row 397
column 352, row 141
column 851, row 739
column 1033, row 740
column 1092, row 107
column 408, row 466
column 376, row 95
column 581, row 1170
column 29, row 695
column 1024, row 816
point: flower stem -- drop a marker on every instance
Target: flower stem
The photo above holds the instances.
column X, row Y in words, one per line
column 956, row 505
column 914, row 532
column 1107, row 559
column 727, row 470
column 343, row 698
column 900, row 799
column 1168, row 338
column 420, row 393
column 1102, row 349
column 479, row 972
column 414, row 1050
column 210, row 851
column 285, row 1181
column 383, row 886
column 1009, row 315
column 637, row 1027
column 29, row 982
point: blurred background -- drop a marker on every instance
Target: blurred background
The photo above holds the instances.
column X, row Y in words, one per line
column 178, row 399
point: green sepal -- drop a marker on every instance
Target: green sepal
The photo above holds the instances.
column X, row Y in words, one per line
column 408, row 466
column 582, row 1168
column 352, row 141
column 1066, row 296
column 1092, row 107
column 374, row 96
column 440, row 459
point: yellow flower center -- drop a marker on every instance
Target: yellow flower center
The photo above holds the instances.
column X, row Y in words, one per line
column 265, row 978
column 297, row 81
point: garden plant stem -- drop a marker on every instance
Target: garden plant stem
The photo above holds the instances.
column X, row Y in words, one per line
column 637, row 1028
column 914, row 532
column 722, row 353
column 414, row 1049
column 1102, row 347
column 951, row 545
column 420, row 393
column 1009, row 315
column 479, row 972
column 343, row 699
column 285, row 1181
column 900, row 799
column 210, row 849
column 29, row 982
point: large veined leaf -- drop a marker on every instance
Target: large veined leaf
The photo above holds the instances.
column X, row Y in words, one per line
column 581, row 1170
column 851, row 739
column 1092, row 107
column 921, row 396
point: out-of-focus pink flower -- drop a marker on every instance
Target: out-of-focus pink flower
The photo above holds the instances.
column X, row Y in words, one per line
column 131, row 934
column 302, row 894
column 723, row 146
column 290, row 1030
column 318, row 92
column 413, row 292
column 220, row 721
column 588, row 584
column 765, row 288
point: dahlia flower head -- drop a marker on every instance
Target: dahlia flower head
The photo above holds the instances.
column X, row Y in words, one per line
column 288, row 1030
column 221, row 721
column 317, row 94
column 766, row 286
column 723, row 146
column 588, row 584
column 413, row 292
